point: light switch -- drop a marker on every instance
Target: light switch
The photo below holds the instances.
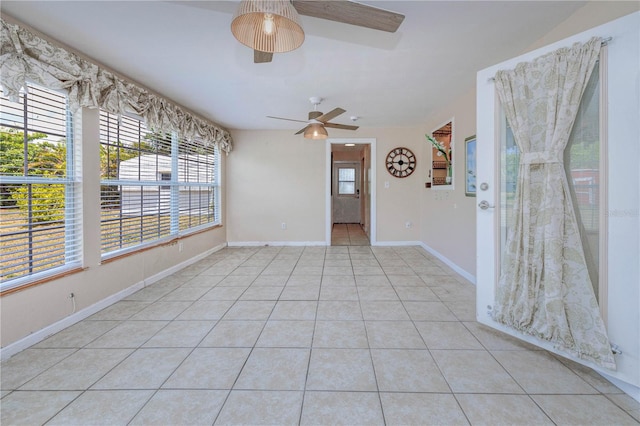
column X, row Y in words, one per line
column 386, row 184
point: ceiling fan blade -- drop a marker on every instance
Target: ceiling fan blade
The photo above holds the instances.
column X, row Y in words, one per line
column 301, row 130
column 340, row 126
column 331, row 114
column 349, row 12
column 288, row 119
column 261, row 57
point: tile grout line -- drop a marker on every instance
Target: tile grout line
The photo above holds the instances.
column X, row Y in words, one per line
column 186, row 357
column 429, row 350
column 244, row 364
column 315, row 322
column 366, row 332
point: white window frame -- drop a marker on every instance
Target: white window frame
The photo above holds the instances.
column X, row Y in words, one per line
column 354, row 181
column 73, row 201
column 171, row 204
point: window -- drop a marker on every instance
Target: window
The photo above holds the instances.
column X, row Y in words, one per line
column 582, row 164
column 346, row 181
column 153, row 186
column 164, row 176
column 198, row 180
column 39, row 188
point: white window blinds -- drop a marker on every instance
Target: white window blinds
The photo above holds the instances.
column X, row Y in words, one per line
column 39, row 187
column 153, row 186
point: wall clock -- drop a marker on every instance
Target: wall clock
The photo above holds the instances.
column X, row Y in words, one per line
column 401, row 162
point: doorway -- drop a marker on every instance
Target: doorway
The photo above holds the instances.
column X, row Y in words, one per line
column 590, row 179
column 348, row 234
column 350, row 195
column 345, row 193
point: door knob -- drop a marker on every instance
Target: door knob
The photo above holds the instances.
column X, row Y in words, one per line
column 484, row 205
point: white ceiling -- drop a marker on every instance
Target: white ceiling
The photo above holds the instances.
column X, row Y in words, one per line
column 185, row 51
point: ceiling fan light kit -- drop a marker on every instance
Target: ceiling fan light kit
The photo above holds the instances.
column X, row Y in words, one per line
column 271, row 26
column 317, row 122
column 315, row 131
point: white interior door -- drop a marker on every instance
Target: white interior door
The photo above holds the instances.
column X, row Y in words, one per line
column 346, row 192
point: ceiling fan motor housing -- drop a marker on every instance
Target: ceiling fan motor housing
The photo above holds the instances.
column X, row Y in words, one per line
column 314, row 114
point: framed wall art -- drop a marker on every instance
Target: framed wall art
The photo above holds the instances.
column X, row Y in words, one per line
column 470, row 166
column 441, row 141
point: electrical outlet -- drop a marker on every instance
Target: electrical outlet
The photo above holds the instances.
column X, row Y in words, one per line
column 407, row 225
column 180, row 246
column 283, row 226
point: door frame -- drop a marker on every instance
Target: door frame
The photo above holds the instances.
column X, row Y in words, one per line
column 329, row 170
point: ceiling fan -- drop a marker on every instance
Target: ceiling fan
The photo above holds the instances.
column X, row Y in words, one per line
column 272, row 26
column 315, row 128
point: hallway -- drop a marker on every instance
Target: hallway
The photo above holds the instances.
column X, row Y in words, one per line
column 348, row 234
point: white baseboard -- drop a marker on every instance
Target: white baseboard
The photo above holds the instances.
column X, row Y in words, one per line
column 632, row 390
column 275, row 243
column 466, row 275
column 395, row 243
column 38, row 336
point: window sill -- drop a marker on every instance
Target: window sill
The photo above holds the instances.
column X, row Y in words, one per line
column 75, row 270
column 162, row 243
column 40, row 281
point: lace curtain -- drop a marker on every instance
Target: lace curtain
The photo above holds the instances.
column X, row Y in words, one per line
column 544, row 288
column 27, row 57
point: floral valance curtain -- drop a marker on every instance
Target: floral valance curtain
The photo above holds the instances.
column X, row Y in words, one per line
column 544, row 288
column 26, row 57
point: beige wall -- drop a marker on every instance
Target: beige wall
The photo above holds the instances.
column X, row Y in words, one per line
column 347, row 156
column 590, row 15
column 35, row 308
column 449, row 217
column 400, row 202
column 276, row 176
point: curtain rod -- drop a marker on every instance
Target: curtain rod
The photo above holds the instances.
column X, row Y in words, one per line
column 604, row 42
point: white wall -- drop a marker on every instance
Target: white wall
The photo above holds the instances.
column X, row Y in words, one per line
column 366, row 193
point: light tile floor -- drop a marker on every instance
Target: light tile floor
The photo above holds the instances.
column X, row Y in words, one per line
column 301, row 335
column 348, row 234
